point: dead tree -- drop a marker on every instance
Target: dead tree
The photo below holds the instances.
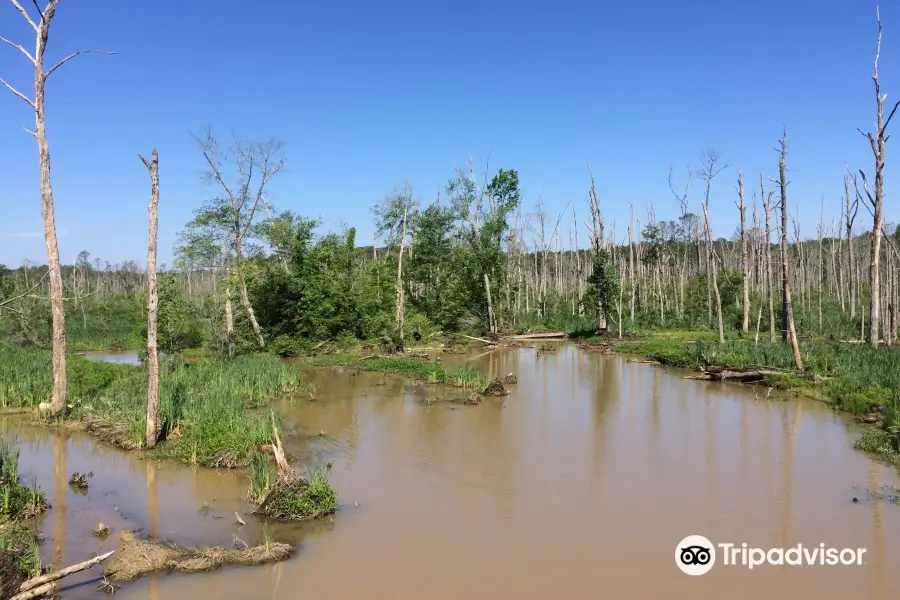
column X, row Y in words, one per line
column 41, row 28
column 152, row 304
column 237, row 211
column 745, row 255
column 850, row 208
column 877, row 141
column 400, row 305
column 788, row 331
column 597, row 239
column 711, row 168
column 820, row 276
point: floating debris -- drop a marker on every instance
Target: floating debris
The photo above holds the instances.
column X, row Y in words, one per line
column 495, row 388
column 143, row 556
column 101, row 530
column 79, row 481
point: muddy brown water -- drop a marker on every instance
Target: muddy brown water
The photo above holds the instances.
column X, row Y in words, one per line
column 580, row 483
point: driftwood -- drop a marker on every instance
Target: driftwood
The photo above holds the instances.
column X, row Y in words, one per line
column 735, row 374
column 46, row 584
column 550, row 335
column 141, row 556
column 285, row 472
column 469, row 337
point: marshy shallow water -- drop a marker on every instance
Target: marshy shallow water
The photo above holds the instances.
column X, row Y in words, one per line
column 580, row 482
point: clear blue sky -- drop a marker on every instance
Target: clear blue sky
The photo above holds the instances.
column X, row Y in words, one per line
column 367, row 95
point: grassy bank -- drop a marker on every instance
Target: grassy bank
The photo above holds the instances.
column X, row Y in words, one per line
column 464, row 376
column 206, row 407
column 19, row 545
column 853, row 378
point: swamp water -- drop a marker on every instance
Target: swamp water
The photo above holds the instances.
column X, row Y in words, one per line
column 579, row 483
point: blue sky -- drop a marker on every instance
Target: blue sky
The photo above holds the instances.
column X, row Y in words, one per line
column 368, row 95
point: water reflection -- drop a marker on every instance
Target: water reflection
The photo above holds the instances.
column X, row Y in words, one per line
column 586, row 475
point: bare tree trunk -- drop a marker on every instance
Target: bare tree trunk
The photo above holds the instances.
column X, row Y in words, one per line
column 631, row 263
column 878, row 142
column 492, row 319
column 712, row 268
column 820, row 280
column 850, row 208
column 152, row 305
column 745, row 258
column 399, row 301
column 245, row 300
column 711, row 168
column 229, row 322
column 770, row 281
column 788, row 315
column 42, row 31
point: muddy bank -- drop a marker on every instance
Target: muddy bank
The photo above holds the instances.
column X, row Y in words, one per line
column 139, row 556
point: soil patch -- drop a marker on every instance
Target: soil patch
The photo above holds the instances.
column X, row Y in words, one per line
column 140, row 556
column 11, row 576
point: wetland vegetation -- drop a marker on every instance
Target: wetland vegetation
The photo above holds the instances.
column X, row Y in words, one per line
column 253, row 284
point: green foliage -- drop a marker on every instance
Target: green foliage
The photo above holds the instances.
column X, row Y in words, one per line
column 302, row 500
column 434, row 276
column 176, row 329
column 260, row 477
column 205, row 407
column 603, row 285
column 17, row 502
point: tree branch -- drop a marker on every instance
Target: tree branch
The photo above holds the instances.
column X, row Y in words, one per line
column 31, row 58
column 71, row 56
column 22, row 10
column 17, row 93
column 891, row 116
column 23, row 294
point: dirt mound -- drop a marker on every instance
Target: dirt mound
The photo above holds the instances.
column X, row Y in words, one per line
column 106, row 432
column 510, row 379
column 495, row 388
column 142, row 556
column 601, row 347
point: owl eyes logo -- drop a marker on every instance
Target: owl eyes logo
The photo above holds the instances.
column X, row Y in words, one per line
column 695, row 555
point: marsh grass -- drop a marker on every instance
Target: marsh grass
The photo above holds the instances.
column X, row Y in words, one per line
column 17, row 502
column 464, row 376
column 301, row 500
column 206, row 408
column 20, row 556
column 260, row 477
column 854, row 378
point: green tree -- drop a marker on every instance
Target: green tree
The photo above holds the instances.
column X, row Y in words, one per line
column 603, row 284
column 482, row 214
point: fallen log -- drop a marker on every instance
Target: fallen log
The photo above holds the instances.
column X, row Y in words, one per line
column 727, row 374
column 45, row 584
column 142, row 556
column 549, row 335
column 477, row 339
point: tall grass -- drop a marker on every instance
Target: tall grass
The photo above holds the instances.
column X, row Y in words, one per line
column 17, row 502
column 855, row 377
column 206, row 408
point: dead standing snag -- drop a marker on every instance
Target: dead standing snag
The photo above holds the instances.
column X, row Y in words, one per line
column 41, row 28
column 152, row 304
column 878, row 142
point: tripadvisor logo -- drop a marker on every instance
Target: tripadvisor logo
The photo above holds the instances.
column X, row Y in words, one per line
column 696, row 555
